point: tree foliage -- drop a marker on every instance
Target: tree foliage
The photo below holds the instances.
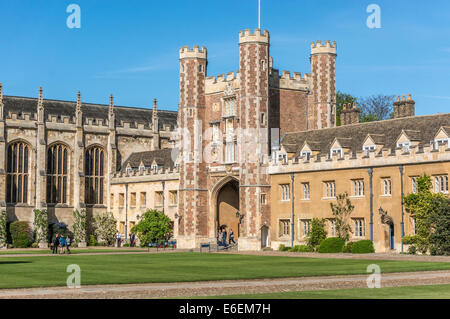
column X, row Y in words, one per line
column 3, row 228
column 422, row 206
column 40, row 225
column 341, row 99
column 440, row 223
column 331, row 245
column 372, row 108
column 105, row 226
column 341, row 212
column 362, row 247
column 79, row 226
column 376, row 108
column 317, row 234
column 154, row 226
column 20, row 234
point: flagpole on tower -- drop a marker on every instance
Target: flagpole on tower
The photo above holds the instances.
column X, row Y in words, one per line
column 259, row 14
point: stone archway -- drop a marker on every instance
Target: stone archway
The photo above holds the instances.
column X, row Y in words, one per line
column 227, row 204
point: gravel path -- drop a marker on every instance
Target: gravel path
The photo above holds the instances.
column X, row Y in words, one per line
column 377, row 256
column 217, row 288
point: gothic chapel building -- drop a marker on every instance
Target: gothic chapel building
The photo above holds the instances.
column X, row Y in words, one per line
column 255, row 150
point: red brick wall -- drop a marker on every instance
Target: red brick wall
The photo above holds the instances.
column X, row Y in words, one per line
column 193, row 199
column 323, row 73
column 254, row 90
column 288, row 110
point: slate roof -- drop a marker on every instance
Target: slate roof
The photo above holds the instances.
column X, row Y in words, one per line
column 420, row 128
column 378, row 139
column 99, row 111
column 162, row 157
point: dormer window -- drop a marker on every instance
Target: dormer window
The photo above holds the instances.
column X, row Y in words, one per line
column 129, row 170
column 441, row 141
column 405, row 146
column 141, row 169
column 306, row 154
column 155, row 168
column 283, row 158
column 368, row 148
column 336, row 152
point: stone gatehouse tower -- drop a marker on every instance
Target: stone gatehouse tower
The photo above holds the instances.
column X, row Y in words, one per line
column 229, row 129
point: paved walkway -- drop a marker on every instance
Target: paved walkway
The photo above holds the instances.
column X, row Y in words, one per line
column 216, row 288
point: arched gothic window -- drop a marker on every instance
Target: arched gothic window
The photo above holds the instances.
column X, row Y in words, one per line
column 94, row 168
column 57, row 174
column 17, row 175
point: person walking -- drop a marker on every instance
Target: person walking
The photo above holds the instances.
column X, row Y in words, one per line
column 68, row 242
column 219, row 237
column 231, row 237
column 62, row 244
column 224, row 238
column 55, row 244
column 132, row 240
column 118, row 238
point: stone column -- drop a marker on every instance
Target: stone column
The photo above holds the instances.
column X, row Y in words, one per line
column 112, row 150
column 41, row 148
column 78, row 158
column 2, row 153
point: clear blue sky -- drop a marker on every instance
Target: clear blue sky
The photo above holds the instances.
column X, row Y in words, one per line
column 130, row 48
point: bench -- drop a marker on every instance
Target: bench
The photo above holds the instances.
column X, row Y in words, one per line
column 205, row 245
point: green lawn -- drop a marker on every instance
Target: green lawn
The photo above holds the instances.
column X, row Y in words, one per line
column 73, row 251
column 415, row 292
column 27, row 271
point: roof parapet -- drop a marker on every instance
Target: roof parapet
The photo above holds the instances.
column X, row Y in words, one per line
column 387, row 156
column 327, row 48
column 298, row 81
column 195, row 53
column 247, row 36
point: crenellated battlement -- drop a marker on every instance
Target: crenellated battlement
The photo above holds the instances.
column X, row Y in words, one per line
column 59, row 119
column 323, row 48
column 194, row 53
column 247, row 36
column 148, row 174
column 219, row 83
column 21, row 116
column 385, row 157
column 286, row 80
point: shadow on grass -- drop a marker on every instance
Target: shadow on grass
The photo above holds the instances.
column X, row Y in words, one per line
column 14, row 262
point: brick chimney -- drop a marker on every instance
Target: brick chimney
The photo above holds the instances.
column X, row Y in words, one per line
column 404, row 107
column 350, row 114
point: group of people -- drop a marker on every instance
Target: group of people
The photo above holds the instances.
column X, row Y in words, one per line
column 132, row 239
column 61, row 242
column 222, row 237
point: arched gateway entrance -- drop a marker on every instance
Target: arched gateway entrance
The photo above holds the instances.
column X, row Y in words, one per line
column 227, row 206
